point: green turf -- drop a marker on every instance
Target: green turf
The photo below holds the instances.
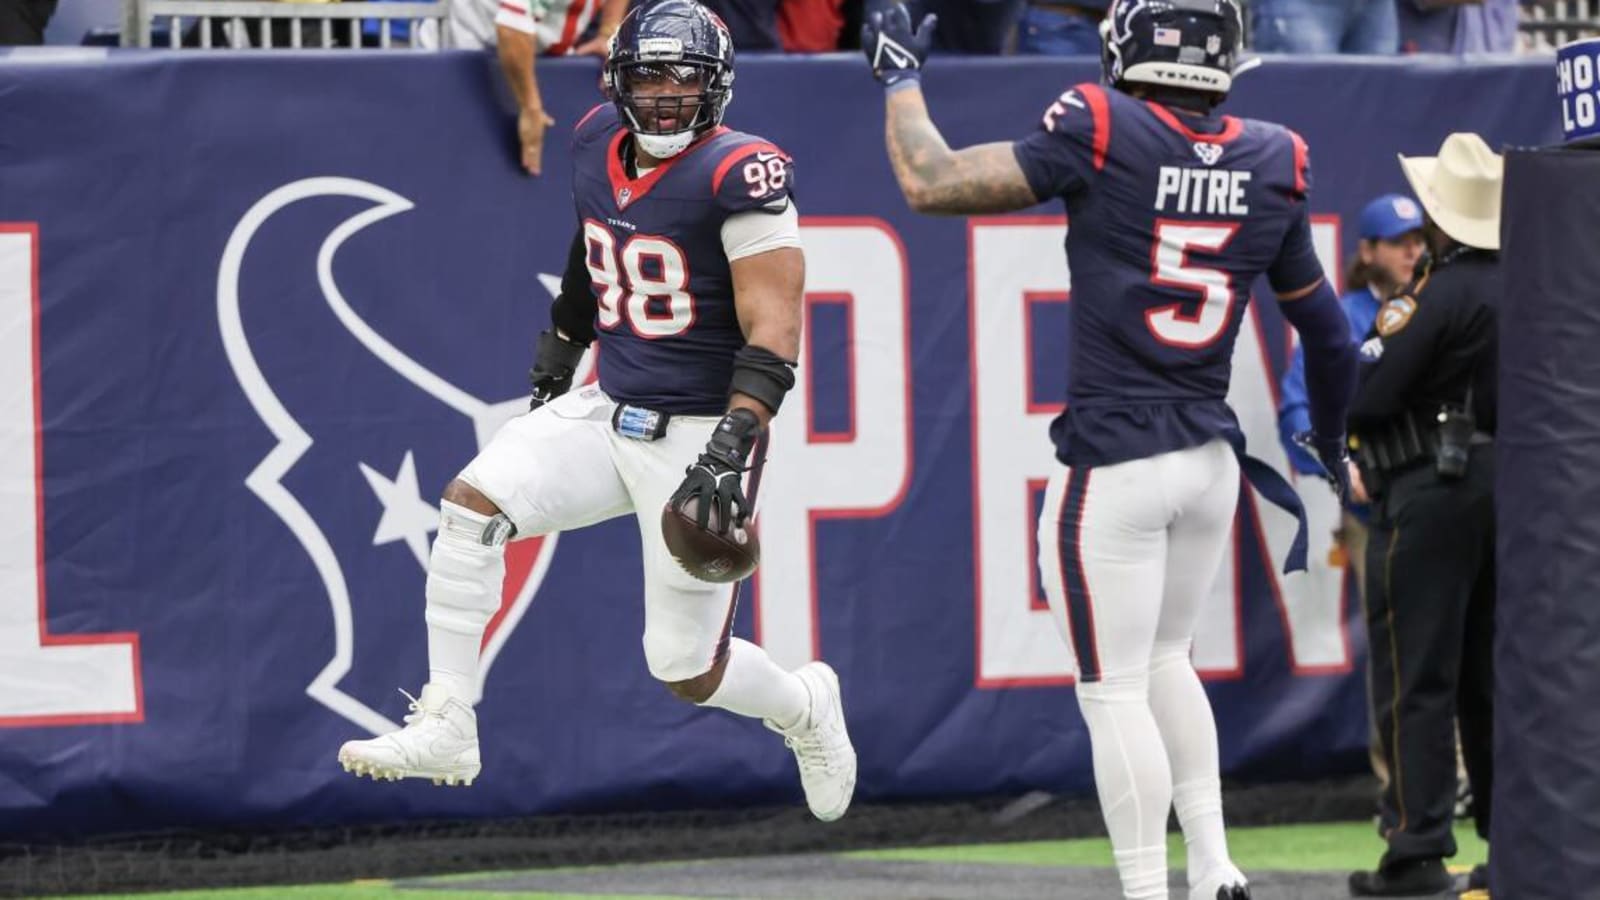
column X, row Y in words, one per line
column 1302, row 848
column 364, row 891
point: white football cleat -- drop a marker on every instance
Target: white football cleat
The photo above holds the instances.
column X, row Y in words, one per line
column 1222, row 883
column 821, row 745
column 439, row 741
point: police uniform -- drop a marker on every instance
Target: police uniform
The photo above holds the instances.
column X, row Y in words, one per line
column 1422, row 427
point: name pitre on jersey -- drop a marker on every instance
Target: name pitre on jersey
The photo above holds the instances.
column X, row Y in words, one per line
column 1171, row 219
column 667, row 326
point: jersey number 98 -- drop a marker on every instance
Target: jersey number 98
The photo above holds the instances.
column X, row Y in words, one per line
column 765, row 176
column 647, row 281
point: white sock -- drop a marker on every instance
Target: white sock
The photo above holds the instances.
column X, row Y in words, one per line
column 1143, row 872
column 753, row 685
column 1189, row 733
column 1132, row 779
column 465, row 579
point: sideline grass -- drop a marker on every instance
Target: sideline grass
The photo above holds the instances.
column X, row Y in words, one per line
column 1297, row 848
column 1303, row 848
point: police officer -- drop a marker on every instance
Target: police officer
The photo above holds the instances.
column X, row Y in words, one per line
column 1422, row 423
column 1385, row 260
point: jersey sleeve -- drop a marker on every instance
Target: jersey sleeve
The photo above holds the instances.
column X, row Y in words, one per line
column 594, row 124
column 519, row 15
column 753, row 175
column 1297, row 266
column 1062, row 156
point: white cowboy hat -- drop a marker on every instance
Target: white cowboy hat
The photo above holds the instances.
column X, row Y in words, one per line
column 1460, row 189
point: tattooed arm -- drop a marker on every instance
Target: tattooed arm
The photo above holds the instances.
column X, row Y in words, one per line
column 935, row 179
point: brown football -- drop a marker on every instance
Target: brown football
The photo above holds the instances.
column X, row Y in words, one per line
column 708, row 556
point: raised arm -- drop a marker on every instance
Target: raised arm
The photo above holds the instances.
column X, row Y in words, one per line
column 935, row 179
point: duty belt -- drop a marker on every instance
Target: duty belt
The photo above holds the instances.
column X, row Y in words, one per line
column 1400, row 443
column 1407, row 440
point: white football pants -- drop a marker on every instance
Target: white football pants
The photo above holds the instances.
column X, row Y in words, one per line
column 563, row 467
column 1127, row 555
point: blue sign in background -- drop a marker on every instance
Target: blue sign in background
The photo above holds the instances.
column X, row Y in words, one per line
column 137, row 173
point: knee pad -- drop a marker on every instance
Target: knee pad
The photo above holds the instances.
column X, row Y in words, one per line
column 466, row 572
column 671, row 658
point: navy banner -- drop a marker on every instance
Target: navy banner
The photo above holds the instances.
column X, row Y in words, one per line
column 256, row 310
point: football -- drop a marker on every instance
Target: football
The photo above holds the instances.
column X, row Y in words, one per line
column 705, row 554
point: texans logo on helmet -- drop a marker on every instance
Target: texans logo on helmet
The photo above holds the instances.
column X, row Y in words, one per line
column 347, row 486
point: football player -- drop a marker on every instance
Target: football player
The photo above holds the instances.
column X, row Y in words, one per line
column 1174, row 212
column 687, row 269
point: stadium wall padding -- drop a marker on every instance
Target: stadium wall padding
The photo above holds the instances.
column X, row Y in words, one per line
column 257, row 309
column 1546, row 825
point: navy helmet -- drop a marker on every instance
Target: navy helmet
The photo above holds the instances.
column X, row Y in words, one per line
column 682, row 42
column 1189, row 44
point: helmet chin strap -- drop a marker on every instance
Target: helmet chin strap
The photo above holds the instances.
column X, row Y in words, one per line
column 664, row 146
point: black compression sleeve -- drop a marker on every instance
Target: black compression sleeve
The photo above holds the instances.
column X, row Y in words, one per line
column 574, row 310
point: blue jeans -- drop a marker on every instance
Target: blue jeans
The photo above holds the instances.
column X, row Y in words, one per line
column 1049, row 32
column 1324, row 26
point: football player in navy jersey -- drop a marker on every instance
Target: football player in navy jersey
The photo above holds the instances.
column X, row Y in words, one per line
column 687, row 269
column 1174, row 212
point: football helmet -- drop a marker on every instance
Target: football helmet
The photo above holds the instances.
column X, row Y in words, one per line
column 1189, row 44
column 670, row 73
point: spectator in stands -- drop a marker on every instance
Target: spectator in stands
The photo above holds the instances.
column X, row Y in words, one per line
column 1060, row 28
column 22, row 22
column 810, row 26
column 975, row 26
column 1458, row 26
column 1324, row 26
column 519, row 30
column 753, row 24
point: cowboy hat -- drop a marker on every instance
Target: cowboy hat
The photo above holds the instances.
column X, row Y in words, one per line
column 1460, row 189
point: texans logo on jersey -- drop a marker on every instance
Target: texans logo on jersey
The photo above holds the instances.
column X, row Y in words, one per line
column 361, row 394
column 1208, row 153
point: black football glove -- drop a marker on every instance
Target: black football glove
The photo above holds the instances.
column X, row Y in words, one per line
column 554, row 361
column 894, row 49
column 1335, row 459
column 714, row 481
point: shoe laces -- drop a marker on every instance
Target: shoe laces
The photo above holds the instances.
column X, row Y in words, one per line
column 812, row 751
column 417, row 712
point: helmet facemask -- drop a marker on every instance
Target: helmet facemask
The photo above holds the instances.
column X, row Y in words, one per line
column 666, row 105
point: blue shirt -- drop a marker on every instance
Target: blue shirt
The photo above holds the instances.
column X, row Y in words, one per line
column 1294, row 410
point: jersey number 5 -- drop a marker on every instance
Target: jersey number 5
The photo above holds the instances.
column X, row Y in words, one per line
column 1169, row 263
column 647, row 281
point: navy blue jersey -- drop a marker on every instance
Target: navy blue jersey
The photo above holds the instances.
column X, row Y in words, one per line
column 1171, row 219
column 666, row 324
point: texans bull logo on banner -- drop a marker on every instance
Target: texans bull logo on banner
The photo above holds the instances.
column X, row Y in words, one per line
column 390, row 556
